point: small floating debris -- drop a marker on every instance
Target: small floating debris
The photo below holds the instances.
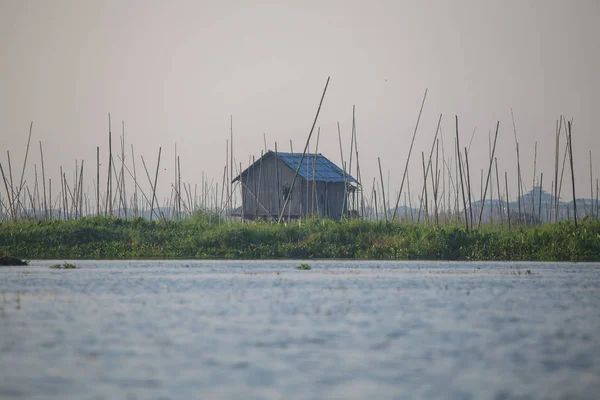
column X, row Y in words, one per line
column 304, row 267
column 64, row 265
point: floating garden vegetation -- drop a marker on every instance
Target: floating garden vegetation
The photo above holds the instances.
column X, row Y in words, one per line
column 64, row 265
column 202, row 238
column 304, row 267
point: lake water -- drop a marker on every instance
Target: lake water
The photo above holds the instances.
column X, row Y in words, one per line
column 264, row 330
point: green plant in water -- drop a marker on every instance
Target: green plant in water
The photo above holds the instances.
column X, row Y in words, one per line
column 304, row 267
column 64, row 265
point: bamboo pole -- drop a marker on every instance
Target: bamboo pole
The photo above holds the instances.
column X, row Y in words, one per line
column 135, row 185
column 591, row 186
column 556, row 159
column 412, row 215
column 518, row 166
column 597, row 203
column 260, row 182
column 25, row 160
column 32, row 204
column 50, row 197
column 437, row 178
column 425, row 200
column 278, row 181
column 500, row 211
column 433, row 143
column 533, row 183
column 230, row 208
column 572, row 174
column 81, row 210
column 179, row 187
column 360, row 189
column 153, row 186
column 15, row 199
column 409, row 153
column 375, row 201
column 462, row 186
column 63, row 195
column 507, row 201
column 97, row 181
column 564, row 157
column 314, row 171
column 225, row 176
column 109, row 178
column 382, row 190
column 344, row 200
column 36, row 189
column 9, row 197
column 242, row 190
column 540, row 198
column 44, row 182
column 123, row 187
column 304, row 152
column 469, row 192
column 489, row 173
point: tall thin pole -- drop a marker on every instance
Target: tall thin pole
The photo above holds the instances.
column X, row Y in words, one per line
column 462, row 186
column 314, row 171
column 135, row 195
column 25, row 161
column 343, row 170
column 507, row 202
column 382, row 190
column 15, row 199
column 123, row 191
column 499, row 195
column 540, row 198
column 44, row 182
column 518, row 165
column 10, row 204
column 556, row 158
column 97, row 181
column 231, row 162
column 469, row 192
column 572, row 175
column 109, row 178
column 424, row 197
column 278, row 181
column 156, row 180
column 179, row 187
column 287, row 199
column 562, row 172
column 591, row 185
column 408, row 158
column 489, row 172
column 533, row 183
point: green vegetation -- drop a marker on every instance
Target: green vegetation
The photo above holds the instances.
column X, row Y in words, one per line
column 64, row 265
column 304, row 267
column 204, row 237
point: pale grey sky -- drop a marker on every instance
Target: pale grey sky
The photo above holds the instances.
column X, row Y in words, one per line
column 176, row 70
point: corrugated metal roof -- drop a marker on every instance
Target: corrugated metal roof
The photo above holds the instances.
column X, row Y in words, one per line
column 324, row 170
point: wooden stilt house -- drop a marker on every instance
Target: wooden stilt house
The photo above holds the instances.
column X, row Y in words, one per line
column 321, row 188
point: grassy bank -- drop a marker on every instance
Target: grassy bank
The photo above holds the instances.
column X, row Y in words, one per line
column 203, row 238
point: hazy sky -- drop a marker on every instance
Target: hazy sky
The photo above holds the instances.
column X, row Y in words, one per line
column 175, row 71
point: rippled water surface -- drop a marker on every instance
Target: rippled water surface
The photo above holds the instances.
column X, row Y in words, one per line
column 264, row 330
